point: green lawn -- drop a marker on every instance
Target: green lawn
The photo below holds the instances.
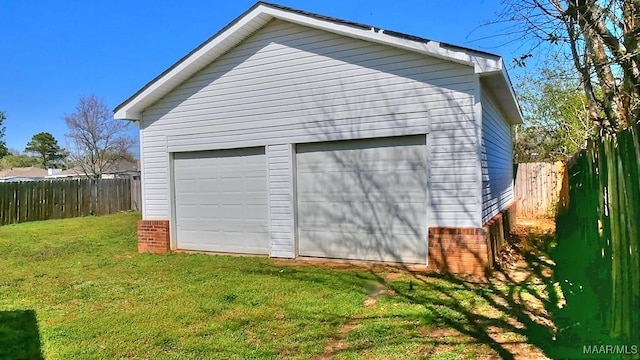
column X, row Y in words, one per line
column 77, row 289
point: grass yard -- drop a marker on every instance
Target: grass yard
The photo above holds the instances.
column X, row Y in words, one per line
column 77, row 289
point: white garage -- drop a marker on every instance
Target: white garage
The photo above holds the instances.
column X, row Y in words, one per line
column 221, row 201
column 363, row 199
column 292, row 134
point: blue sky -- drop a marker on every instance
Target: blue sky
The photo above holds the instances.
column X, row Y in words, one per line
column 52, row 52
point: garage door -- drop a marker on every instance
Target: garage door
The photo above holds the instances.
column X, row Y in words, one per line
column 363, row 199
column 221, row 201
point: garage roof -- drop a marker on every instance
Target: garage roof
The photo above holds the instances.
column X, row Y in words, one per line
column 490, row 67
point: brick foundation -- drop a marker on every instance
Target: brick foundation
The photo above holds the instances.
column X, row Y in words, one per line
column 153, row 236
column 458, row 250
column 469, row 250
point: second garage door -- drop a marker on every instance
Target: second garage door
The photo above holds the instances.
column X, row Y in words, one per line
column 363, row 199
column 221, row 201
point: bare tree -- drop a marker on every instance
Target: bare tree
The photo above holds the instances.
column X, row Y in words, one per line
column 97, row 141
column 600, row 38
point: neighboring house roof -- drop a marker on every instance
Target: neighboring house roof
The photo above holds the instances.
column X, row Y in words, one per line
column 490, row 67
column 119, row 167
column 68, row 173
column 23, row 173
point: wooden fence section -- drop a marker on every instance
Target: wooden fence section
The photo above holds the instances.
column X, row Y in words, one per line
column 136, row 194
column 57, row 199
column 598, row 242
column 537, row 188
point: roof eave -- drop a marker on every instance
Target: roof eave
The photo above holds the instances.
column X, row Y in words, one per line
column 261, row 13
column 502, row 88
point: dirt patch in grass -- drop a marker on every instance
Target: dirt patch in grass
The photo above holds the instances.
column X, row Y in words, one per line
column 337, row 343
column 377, row 291
column 355, row 265
column 526, row 270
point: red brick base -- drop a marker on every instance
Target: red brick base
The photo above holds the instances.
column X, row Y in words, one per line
column 469, row 250
column 153, row 236
column 458, row 250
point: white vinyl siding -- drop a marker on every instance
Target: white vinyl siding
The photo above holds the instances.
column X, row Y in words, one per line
column 289, row 84
column 281, row 200
column 497, row 160
column 154, row 175
column 453, row 173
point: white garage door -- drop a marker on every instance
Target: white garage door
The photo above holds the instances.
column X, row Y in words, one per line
column 363, row 199
column 221, row 201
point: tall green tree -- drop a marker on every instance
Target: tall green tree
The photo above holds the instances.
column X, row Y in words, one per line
column 46, row 147
column 3, row 144
column 556, row 119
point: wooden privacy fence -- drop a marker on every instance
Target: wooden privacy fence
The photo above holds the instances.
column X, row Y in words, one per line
column 537, row 188
column 57, row 199
column 598, row 242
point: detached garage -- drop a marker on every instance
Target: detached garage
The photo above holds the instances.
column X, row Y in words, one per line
column 291, row 134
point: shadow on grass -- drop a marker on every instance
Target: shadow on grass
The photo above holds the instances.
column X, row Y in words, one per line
column 19, row 335
column 508, row 315
column 515, row 305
